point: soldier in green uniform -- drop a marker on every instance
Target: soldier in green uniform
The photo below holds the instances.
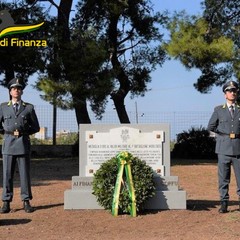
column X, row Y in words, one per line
column 17, row 121
column 225, row 122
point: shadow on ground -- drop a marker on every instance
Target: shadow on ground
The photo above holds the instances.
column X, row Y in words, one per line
column 8, row 222
column 207, row 205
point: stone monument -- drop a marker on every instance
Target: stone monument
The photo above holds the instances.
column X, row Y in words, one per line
column 149, row 142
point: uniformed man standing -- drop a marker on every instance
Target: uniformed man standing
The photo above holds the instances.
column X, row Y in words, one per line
column 17, row 121
column 225, row 122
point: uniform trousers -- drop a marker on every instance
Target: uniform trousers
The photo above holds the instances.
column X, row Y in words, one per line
column 224, row 174
column 9, row 163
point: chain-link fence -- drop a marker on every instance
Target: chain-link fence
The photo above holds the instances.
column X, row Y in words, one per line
column 179, row 121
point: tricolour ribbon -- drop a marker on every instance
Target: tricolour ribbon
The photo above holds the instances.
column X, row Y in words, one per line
column 124, row 162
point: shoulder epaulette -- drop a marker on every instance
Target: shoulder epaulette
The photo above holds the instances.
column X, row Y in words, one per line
column 221, row 106
column 4, row 103
column 26, row 104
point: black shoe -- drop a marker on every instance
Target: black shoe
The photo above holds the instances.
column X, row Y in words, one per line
column 5, row 208
column 27, row 207
column 223, row 208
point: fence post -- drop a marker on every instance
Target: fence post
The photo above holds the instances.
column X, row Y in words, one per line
column 54, row 124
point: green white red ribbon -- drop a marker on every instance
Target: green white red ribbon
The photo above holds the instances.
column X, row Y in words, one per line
column 124, row 162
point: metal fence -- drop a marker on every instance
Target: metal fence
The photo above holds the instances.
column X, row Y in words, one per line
column 179, row 121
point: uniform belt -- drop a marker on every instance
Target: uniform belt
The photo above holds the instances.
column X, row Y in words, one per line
column 15, row 133
column 231, row 135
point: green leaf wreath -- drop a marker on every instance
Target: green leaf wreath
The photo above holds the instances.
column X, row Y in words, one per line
column 104, row 183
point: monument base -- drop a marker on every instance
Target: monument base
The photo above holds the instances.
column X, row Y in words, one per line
column 167, row 200
column 167, row 194
column 78, row 199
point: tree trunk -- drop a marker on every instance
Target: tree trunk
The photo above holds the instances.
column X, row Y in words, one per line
column 82, row 112
column 64, row 10
column 119, row 95
column 118, row 99
column 63, row 20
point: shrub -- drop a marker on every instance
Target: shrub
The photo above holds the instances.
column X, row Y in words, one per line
column 104, row 183
column 69, row 139
column 194, row 144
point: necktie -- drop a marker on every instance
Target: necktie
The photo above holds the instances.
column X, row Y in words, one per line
column 16, row 107
column 231, row 110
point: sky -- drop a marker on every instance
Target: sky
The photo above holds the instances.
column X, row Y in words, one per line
column 171, row 87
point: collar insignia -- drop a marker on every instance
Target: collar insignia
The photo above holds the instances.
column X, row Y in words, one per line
column 224, row 105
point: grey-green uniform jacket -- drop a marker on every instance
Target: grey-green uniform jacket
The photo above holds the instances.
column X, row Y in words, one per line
column 24, row 121
column 223, row 125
